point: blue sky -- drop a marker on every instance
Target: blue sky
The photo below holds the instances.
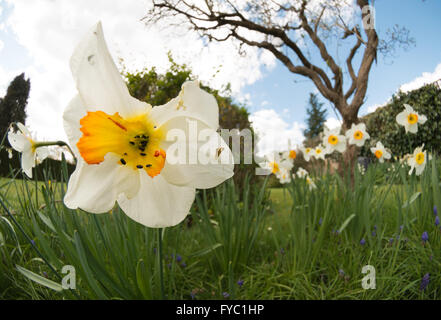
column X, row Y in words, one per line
column 38, row 36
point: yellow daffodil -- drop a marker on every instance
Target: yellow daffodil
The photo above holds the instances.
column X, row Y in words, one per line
column 380, row 152
column 126, row 149
column 357, row 134
column 334, row 141
column 410, row 119
column 418, row 161
column 23, row 142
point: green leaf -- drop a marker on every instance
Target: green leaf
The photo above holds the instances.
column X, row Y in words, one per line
column 39, row 279
column 344, row 225
column 46, row 221
column 205, row 251
column 412, row 199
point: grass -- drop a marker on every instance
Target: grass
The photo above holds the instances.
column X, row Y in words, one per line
column 281, row 243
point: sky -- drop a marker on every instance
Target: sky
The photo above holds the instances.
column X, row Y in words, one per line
column 38, row 36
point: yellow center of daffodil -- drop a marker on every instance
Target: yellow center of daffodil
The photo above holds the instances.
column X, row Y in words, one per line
column 318, row 151
column 292, row 154
column 332, row 139
column 378, row 154
column 308, row 150
column 134, row 140
column 419, row 158
column 412, row 118
column 358, row 135
column 274, row 167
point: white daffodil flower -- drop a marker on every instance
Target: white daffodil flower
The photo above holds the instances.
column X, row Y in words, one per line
column 418, row 161
column 319, row 152
column 274, row 163
column 410, row 119
column 357, row 134
column 23, row 142
column 289, row 155
column 301, row 173
column 380, row 152
column 310, row 183
column 333, row 140
column 307, row 152
column 284, row 176
column 123, row 145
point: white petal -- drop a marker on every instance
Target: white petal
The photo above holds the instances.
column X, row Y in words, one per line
column 199, row 164
column 422, row 119
column 18, row 141
column 98, row 81
column 95, row 188
column 402, row 118
column 158, row 203
column 192, row 102
column 413, row 128
column 72, row 115
column 42, row 153
column 28, row 161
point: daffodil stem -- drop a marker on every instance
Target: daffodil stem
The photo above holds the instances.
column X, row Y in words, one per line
column 56, row 143
column 161, row 271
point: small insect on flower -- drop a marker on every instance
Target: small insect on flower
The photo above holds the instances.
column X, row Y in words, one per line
column 357, row 134
column 380, row 152
column 410, row 119
column 425, row 281
column 122, row 143
column 23, row 142
column 425, row 236
column 417, row 161
column 334, row 141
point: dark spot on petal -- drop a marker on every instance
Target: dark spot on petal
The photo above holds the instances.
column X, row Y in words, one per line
column 123, row 161
column 139, row 166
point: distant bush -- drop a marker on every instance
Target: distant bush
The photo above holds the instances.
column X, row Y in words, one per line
column 383, row 127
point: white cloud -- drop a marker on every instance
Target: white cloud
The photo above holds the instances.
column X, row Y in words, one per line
column 274, row 133
column 49, row 30
column 333, row 123
column 425, row 78
column 2, row 45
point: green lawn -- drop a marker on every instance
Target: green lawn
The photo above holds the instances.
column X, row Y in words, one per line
column 282, row 243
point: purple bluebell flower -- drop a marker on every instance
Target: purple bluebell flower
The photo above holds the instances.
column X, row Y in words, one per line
column 425, row 281
column 33, row 242
column 320, row 221
column 374, row 233
column 437, row 221
column 362, row 242
column 226, row 294
column 401, row 227
column 341, row 272
column 282, row 251
column 435, row 210
column 183, row 265
column 391, row 240
column 192, row 295
column 178, row 258
column 240, row 283
column 45, row 274
column 425, row 236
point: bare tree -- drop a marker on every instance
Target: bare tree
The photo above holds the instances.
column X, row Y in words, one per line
column 291, row 29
